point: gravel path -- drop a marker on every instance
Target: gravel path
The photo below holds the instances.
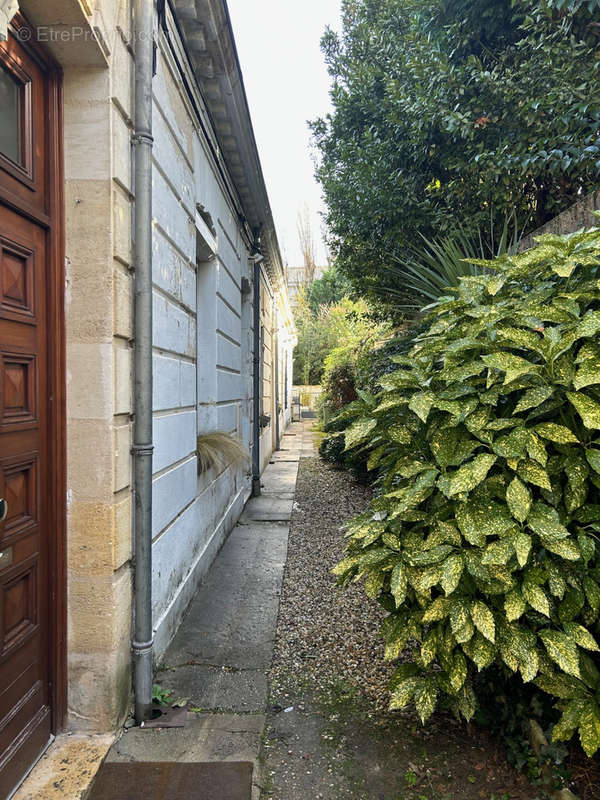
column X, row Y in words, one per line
column 326, row 633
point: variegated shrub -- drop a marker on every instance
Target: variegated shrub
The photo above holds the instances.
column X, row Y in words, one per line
column 482, row 542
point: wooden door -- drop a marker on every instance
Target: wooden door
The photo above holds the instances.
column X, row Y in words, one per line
column 29, row 410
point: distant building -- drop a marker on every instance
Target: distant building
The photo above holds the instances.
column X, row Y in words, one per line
column 298, row 278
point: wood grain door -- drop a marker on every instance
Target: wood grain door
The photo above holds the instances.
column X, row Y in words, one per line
column 28, row 407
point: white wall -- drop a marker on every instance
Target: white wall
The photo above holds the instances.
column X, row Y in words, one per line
column 201, row 353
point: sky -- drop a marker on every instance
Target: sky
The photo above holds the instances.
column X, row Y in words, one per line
column 286, row 81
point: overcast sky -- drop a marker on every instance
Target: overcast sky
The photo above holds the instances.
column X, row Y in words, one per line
column 287, row 84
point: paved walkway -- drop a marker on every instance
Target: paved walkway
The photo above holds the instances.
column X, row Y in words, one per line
column 221, row 655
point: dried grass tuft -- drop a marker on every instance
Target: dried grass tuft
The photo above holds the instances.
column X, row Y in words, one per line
column 219, row 450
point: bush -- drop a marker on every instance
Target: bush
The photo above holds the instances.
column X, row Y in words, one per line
column 482, row 541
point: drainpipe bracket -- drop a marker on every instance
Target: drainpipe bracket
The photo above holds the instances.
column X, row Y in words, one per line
column 142, row 138
column 142, row 449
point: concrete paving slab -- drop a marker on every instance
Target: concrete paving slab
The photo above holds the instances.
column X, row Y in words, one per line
column 267, row 508
column 242, row 691
column 218, row 737
column 232, row 620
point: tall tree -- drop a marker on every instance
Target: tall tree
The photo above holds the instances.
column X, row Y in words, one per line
column 454, row 111
column 307, row 244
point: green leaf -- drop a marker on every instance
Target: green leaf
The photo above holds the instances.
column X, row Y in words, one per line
column 588, row 409
column 438, row 610
column 451, row 573
column 399, row 584
column 556, row 433
column 566, row 548
column 421, row 404
column 471, row 474
column 425, row 700
column 476, row 522
column 513, row 366
column 518, row 498
column 484, row 620
column 589, row 729
column 522, row 544
column 592, row 593
column 359, row 432
column 531, row 472
column 588, row 374
column 460, row 621
column 562, row 650
column 534, row 398
column 581, row 636
column 498, row 552
column 514, row 606
column 536, row 598
column 458, row 672
column 404, row 693
column 593, row 459
column 544, row 521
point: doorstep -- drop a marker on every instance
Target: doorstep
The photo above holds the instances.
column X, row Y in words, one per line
column 67, row 768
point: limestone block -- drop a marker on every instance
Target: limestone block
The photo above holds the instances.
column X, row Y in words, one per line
column 121, row 140
column 122, row 457
column 99, row 611
column 89, row 260
column 123, row 377
column 122, row 514
column 174, row 438
column 122, row 211
column 90, row 539
column 188, row 384
column 99, row 647
column 171, row 272
column 188, row 286
column 167, row 382
column 89, row 381
column 122, row 78
column 90, row 463
column 123, row 303
column 87, row 113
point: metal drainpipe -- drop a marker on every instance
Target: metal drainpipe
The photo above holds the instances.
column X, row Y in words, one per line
column 142, row 429
column 256, row 384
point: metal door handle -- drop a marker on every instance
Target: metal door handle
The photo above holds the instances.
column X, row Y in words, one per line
column 3, row 510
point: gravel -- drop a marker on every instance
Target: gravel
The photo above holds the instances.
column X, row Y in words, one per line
column 324, row 633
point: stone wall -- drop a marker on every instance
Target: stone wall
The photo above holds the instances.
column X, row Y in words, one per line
column 578, row 216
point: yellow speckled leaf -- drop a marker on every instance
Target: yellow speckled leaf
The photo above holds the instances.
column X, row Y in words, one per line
column 518, row 498
column 562, row 650
column 588, row 409
column 556, row 433
column 484, row 620
column 471, row 474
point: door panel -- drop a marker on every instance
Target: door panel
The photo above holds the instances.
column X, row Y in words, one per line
column 27, row 531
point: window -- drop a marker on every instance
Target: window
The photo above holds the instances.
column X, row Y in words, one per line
column 11, row 103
